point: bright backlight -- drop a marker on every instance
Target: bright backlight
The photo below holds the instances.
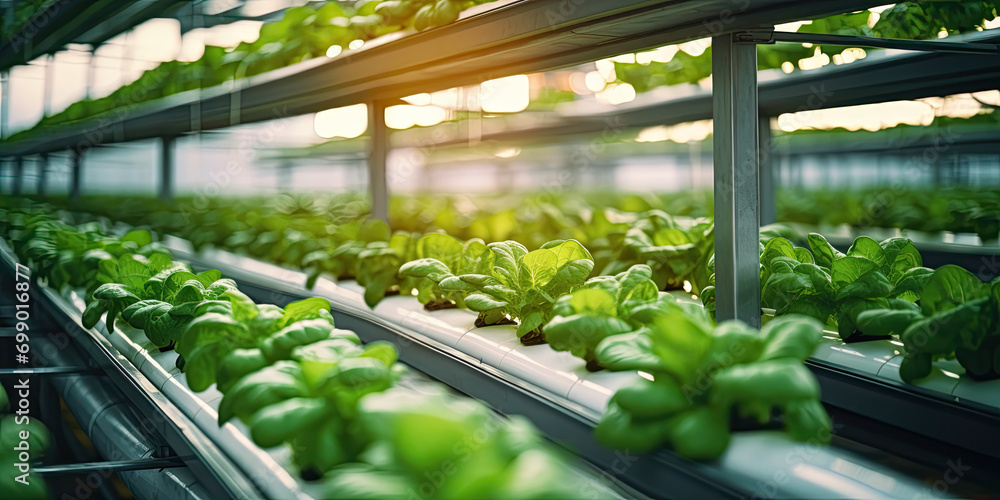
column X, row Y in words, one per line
column 405, row 116
column 870, row 117
column 347, row 122
column 505, row 95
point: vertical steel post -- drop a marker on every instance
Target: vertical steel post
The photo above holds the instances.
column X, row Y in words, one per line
column 91, row 71
column 4, row 103
column 18, row 176
column 125, row 54
column 166, row 167
column 50, row 66
column 737, row 220
column 285, row 177
column 377, row 179
column 43, row 170
column 76, row 157
column 768, row 202
column 694, row 163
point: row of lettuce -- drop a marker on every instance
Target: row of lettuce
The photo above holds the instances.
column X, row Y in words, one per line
column 953, row 209
column 873, row 291
column 294, row 378
column 535, row 218
column 304, row 32
column 615, row 321
column 291, row 376
column 881, row 290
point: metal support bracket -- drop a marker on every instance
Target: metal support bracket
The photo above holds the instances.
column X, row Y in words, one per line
column 767, row 188
column 166, row 167
column 76, row 174
column 43, row 171
column 17, row 182
column 737, row 167
column 757, row 37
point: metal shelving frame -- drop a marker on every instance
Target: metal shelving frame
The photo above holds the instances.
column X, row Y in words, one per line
column 64, row 22
column 519, row 36
column 514, row 36
column 738, row 153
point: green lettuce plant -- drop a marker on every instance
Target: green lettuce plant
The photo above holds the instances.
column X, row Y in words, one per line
column 369, row 252
column 145, row 290
column 834, row 287
column 677, row 249
column 440, row 256
column 339, row 258
column 522, row 286
column 261, row 334
column 482, row 456
column 601, row 307
column 696, row 375
column 958, row 317
column 377, row 267
column 311, row 400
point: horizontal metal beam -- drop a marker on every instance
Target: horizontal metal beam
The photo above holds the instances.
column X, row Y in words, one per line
column 878, row 78
column 132, row 14
column 110, row 466
column 52, row 28
column 867, row 41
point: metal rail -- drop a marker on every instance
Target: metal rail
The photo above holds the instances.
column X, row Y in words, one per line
column 932, row 415
column 518, row 36
column 867, row 41
column 110, row 466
